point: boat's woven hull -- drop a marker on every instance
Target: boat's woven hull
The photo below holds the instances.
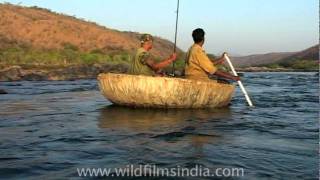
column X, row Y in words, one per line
column 162, row 92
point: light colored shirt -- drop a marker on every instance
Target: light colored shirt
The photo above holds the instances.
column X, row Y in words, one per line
column 198, row 65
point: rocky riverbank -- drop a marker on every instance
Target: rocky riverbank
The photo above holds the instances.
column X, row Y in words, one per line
column 72, row 72
column 20, row 73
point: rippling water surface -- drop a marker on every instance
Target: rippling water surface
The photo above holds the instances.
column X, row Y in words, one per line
column 49, row 129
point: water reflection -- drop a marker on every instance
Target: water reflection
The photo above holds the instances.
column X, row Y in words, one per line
column 163, row 130
column 166, row 125
column 138, row 119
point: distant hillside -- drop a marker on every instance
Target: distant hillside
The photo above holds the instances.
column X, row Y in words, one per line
column 260, row 59
column 285, row 59
column 43, row 29
column 37, row 38
column 309, row 54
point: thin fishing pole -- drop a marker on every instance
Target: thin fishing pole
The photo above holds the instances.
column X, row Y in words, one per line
column 175, row 38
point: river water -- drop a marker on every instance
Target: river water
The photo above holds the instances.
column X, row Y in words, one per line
column 48, row 129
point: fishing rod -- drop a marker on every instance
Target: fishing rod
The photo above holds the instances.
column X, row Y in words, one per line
column 175, row 38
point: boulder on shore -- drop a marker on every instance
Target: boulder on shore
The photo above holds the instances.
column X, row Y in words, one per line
column 12, row 73
column 33, row 76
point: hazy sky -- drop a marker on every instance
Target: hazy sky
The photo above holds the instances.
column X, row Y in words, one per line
column 240, row 27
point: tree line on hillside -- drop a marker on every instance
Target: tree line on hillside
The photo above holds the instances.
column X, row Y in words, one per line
column 25, row 55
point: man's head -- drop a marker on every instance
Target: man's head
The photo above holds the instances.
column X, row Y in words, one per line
column 146, row 41
column 198, row 36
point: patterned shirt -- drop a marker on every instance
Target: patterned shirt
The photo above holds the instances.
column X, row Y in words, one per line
column 139, row 64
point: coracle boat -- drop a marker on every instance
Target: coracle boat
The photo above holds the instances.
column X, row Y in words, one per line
column 163, row 92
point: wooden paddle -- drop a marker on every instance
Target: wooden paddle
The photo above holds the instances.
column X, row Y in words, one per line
column 239, row 82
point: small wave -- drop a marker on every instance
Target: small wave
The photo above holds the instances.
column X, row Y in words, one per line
column 174, row 135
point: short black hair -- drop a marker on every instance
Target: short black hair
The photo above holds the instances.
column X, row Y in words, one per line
column 198, row 35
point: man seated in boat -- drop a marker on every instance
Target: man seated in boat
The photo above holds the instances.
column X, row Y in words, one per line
column 143, row 64
column 198, row 65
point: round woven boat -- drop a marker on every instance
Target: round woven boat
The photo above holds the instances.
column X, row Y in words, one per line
column 163, row 92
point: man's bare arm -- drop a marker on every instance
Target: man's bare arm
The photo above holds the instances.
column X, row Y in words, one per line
column 157, row 66
column 218, row 61
column 226, row 75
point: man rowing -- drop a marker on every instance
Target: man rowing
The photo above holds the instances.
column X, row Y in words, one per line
column 198, row 65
